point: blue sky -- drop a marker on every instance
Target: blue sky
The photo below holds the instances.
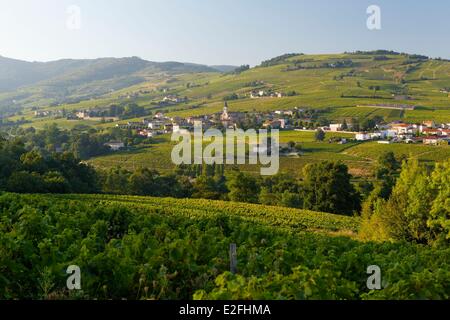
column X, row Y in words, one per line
column 218, row 31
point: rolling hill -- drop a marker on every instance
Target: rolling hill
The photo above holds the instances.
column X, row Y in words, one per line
column 341, row 86
column 25, row 83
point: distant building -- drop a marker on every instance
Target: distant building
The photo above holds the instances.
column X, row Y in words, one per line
column 401, row 128
column 82, row 114
column 434, row 140
column 362, row 136
column 159, row 115
column 168, row 127
column 431, row 132
column 285, row 112
column 429, row 124
column 156, row 125
column 181, row 129
column 230, row 118
column 335, row 127
column 378, row 135
column 146, row 133
column 115, row 146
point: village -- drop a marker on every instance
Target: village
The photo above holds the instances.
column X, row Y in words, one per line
column 297, row 119
column 427, row 132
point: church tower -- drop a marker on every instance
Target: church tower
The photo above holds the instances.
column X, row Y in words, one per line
column 225, row 112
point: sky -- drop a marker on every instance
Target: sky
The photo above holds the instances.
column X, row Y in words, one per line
column 217, row 32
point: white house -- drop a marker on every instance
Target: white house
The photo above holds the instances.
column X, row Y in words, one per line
column 362, row 136
column 115, row 146
column 159, row 115
column 391, row 133
column 402, row 128
column 155, row 125
column 434, row 140
column 82, row 114
column 379, row 135
column 335, row 127
column 180, row 129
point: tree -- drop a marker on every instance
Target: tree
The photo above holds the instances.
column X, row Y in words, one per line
column 55, row 182
column 439, row 217
column 207, row 187
column 243, row 188
column 375, row 89
column 291, row 200
column 282, row 190
column 355, row 125
column 327, row 187
column 417, row 210
column 291, row 145
column 143, row 182
column 26, row 182
column 319, row 135
column 116, row 181
column 241, row 69
column 344, row 125
column 367, row 124
column 386, row 172
column 387, row 163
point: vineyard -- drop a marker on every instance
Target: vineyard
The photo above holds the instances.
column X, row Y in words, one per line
column 372, row 150
column 153, row 248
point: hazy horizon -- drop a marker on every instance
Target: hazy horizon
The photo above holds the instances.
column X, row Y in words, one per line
column 190, row 62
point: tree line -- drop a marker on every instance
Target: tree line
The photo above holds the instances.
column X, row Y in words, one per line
column 402, row 200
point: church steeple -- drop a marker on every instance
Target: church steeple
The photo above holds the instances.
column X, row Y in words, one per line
column 224, row 116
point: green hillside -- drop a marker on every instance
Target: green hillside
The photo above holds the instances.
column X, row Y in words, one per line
column 359, row 157
column 341, row 85
column 401, row 80
column 146, row 248
column 40, row 84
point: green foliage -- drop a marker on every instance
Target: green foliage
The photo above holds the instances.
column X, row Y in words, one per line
column 417, row 210
column 327, row 187
column 279, row 59
column 241, row 69
column 154, row 248
column 35, row 172
column 243, row 188
column 320, row 135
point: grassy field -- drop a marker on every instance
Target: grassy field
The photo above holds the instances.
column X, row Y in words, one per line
column 359, row 157
column 261, row 214
column 371, row 150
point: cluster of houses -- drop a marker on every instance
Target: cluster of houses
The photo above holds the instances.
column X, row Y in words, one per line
column 161, row 124
column 93, row 114
column 48, row 113
column 427, row 132
column 261, row 94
